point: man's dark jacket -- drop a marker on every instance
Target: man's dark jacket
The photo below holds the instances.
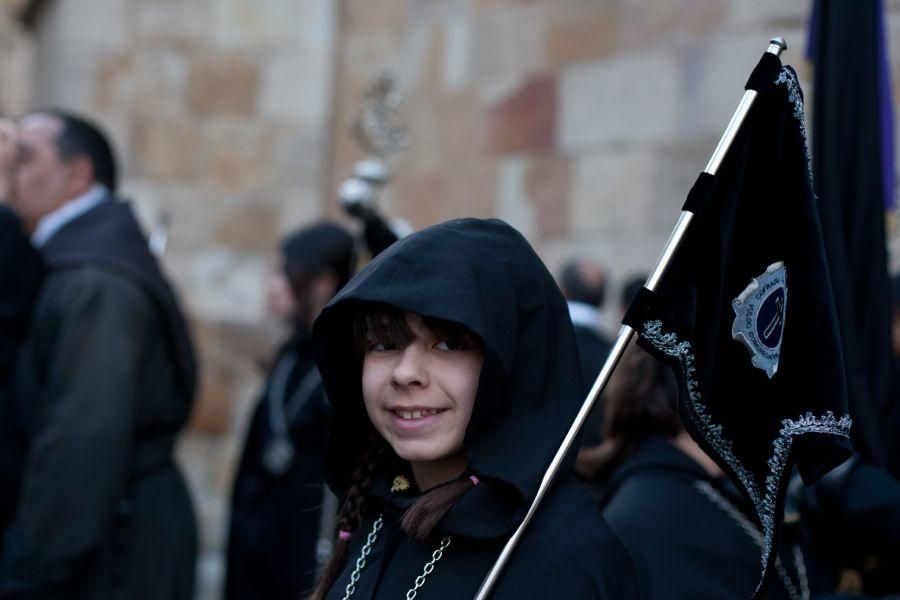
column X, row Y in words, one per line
column 104, row 384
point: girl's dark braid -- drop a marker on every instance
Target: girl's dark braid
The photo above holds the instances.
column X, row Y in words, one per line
column 351, row 515
column 422, row 517
column 353, row 509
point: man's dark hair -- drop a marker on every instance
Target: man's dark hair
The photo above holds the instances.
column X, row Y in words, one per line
column 81, row 137
column 578, row 288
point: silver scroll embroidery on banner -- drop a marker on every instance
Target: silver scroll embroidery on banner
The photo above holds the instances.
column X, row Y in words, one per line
column 759, row 313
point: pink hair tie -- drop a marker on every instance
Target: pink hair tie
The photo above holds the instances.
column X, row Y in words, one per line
column 344, row 534
column 475, row 480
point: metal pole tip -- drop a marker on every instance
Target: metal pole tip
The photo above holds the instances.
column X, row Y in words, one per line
column 779, row 41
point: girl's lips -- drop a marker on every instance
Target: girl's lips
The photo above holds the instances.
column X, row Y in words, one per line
column 414, row 419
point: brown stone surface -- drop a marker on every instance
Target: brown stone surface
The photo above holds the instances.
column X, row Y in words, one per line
column 506, row 3
column 252, row 227
column 587, row 30
column 212, row 407
column 168, row 149
column 547, row 187
column 15, row 64
column 362, row 17
column 526, row 120
column 508, row 41
column 160, row 81
column 240, row 154
column 112, row 81
column 172, row 23
column 229, row 354
column 643, row 25
column 223, row 85
column 467, row 188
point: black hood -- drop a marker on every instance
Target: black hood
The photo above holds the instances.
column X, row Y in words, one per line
column 484, row 275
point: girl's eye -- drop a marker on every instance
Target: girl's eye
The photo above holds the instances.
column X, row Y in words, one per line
column 381, row 346
column 451, row 345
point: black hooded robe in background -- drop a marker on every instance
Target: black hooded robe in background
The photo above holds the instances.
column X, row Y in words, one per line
column 21, row 273
column 484, row 275
column 276, row 517
column 679, row 525
column 104, row 384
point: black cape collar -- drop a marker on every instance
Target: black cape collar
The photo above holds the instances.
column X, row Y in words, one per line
column 488, row 511
column 108, row 236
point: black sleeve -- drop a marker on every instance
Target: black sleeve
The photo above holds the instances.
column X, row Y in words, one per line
column 378, row 235
column 80, row 447
column 22, row 271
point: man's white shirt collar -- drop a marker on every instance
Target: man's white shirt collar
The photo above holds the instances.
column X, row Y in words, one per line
column 585, row 315
column 71, row 210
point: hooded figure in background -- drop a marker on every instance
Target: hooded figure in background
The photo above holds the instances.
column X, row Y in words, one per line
column 277, row 510
column 688, row 529
column 436, row 467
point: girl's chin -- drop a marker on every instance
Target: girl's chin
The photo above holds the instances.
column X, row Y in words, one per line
column 420, row 455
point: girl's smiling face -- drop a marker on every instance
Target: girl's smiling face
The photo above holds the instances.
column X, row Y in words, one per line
column 419, row 390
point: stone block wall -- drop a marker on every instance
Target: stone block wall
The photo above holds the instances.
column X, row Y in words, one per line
column 582, row 122
column 15, row 61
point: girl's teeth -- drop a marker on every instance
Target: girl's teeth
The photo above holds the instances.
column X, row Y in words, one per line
column 417, row 414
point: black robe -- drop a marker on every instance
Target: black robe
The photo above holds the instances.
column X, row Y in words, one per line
column 592, row 352
column 276, row 517
column 669, row 514
column 484, row 275
column 103, row 386
column 21, row 274
column 851, row 522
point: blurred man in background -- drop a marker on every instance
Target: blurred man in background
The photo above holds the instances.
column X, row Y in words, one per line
column 104, row 383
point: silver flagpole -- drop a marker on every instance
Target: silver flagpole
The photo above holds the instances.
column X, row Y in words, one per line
column 776, row 46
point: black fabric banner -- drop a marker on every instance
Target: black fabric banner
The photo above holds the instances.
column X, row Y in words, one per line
column 847, row 161
column 745, row 316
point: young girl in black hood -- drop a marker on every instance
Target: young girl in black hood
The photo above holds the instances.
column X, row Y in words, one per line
column 451, row 367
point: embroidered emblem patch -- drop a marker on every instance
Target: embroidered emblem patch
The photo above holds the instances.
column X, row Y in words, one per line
column 400, row 484
column 759, row 313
